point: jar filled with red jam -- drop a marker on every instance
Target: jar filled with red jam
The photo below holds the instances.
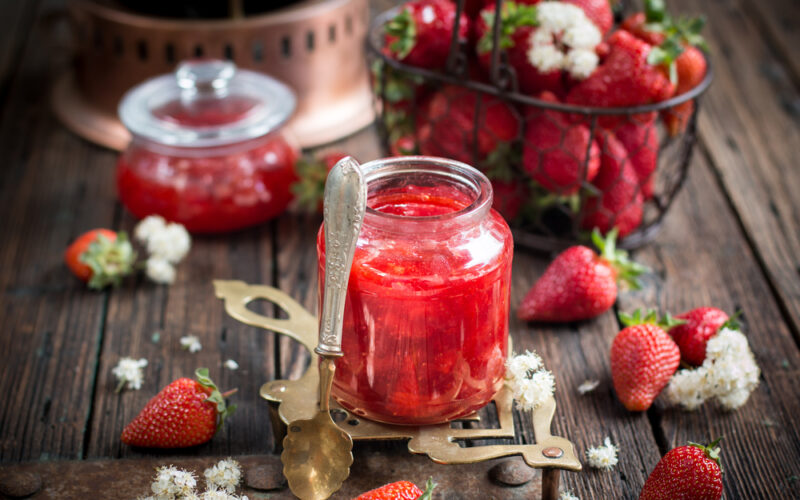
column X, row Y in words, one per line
column 425, row 333
column 207, row 148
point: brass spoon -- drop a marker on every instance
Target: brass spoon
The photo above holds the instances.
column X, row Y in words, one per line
column 317, row 454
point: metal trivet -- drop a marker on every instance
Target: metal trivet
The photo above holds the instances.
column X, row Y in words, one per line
column 292, row 400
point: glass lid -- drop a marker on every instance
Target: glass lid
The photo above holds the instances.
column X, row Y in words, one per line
column 206, row 103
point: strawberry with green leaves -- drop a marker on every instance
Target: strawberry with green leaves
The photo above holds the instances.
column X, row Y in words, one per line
column 312, row 171
column 185, row 413
column 700, row 325
column 643, row 359
column 580, row 283
column 640, row 139
column 101, row 257
column 420, row 34
column 687, row 472
column 399, row 490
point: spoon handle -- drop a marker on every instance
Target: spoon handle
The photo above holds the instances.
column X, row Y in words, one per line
column 344, row 205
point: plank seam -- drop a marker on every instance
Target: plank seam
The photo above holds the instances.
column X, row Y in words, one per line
column 99, row 340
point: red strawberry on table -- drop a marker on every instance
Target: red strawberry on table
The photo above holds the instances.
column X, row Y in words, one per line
column 185, row 413
column 399, row 490
column 702, row 323
column 420, row 34
column 579, row 283
column 619, row 203
column 687, row 472
column 100, row 257
column 555, row 150
column 640, row 140
column 643, row 359
column 312, row 171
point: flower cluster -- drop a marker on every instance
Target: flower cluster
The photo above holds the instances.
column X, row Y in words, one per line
column 225, row 475
column 530, row 383
column 603, row 457
column 191, row 343
column 222, row 479
column 167, row 244
column 171, row 483
column 569, row 25
column 729, row 374
column 129, row 371
column 567, row 495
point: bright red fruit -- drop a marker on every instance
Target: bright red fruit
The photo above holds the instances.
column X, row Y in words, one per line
column 183, row 414
column 641, row 142
column 400, row 490
column 701, row 324
column 637, row 25
column 555, row 150
column 579, row 283
column 598, row 11
column 100, row 257
column 620, row 203
column 643, row 359
column 687, row 472
column 509, row 196
column 691, row 69
column 312, row 173
column 419, row 35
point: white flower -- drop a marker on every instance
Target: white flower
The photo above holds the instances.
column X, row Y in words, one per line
column 588, row 386
column 530, row 383
column 191, row 343
column 129, row 371
column 567, row 495
column 160, row 270
column 172, row 483
column 172, row 243
column 603, row 457
column 225, row 475
column 215, row 494
column 231, row 365
column 149, row 226
column 565, row 39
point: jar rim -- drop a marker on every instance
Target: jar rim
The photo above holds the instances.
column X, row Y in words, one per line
column 451, row 170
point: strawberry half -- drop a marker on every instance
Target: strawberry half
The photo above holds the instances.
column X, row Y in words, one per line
column 579, row 283
column 101, row 257
column 691, row 471
column 399, row 490
column 700, row 325
column 185, row 413
column 643, row 359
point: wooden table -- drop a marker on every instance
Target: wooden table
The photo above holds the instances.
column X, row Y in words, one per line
column 731, row 240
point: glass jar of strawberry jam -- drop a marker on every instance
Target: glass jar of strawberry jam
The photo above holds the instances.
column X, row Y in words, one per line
column 425, row 334
column 207, row 148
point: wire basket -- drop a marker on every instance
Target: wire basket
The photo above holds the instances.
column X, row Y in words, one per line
column 542, row 156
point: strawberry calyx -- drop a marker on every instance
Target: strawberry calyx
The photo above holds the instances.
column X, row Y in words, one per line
column 678, row 34
column 428, row 493
column 732, row 323
column 627, row 270
column 404, row 30
column 712, row 451
column 216, row 397
column 310, row 186
column 649, row 317
column 109, row 260
column 512, row 17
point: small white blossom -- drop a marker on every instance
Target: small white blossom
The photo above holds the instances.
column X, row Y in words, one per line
column 530, row 383
column 588, row 386
column 147, row 227
column 215, row 494
column 172, row 243
column 603, row 457
column 225, row 475
column 171, row 483
column 567, row 495
column 191, row 343
column 129, row 371
column 523, row 365
column 231, row 365
column 565, row 39
column 160, row 270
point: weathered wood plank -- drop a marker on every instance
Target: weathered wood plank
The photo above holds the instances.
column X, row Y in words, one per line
column 702, row 258
column 752, row 139
column 16, row 19
column 778, row 20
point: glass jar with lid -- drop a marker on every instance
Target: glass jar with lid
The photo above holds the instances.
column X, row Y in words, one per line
column 425, row 334
column 208, row 150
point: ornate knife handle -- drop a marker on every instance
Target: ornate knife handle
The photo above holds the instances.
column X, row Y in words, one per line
column 344, row 206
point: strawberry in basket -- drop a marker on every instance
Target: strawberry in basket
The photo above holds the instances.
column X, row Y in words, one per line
column 420, row 34
column 640, row 139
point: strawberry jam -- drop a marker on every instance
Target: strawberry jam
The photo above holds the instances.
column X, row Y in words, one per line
column 426, row 317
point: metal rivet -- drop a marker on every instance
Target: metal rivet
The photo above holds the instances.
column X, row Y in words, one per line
column 552, row 452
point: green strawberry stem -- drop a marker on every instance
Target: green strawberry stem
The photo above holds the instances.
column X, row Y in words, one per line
column 428, row 493
column 732, row 323
column 512, row 17
column 121, row 385
column 655, row 10
column 627, row 270
column 403, row 28
column 712, row 450
column 110, row 261
column 216, row 397
column 650, row 316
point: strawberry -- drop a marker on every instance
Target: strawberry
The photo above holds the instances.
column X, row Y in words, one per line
column 419, row 35
column 641, row 142
column 692, row 471
column 555, row 151
column 579, row 283
column 509, row 196
column 702, row 323
column 185, row 413
column 450, row 129
column 691, row 68
column 403, row 145
column 100, row 257
column 643, row 359
column 620, row 203
column 636, row 24
column 399, row 490
column 598, row 11
column 312, row 173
